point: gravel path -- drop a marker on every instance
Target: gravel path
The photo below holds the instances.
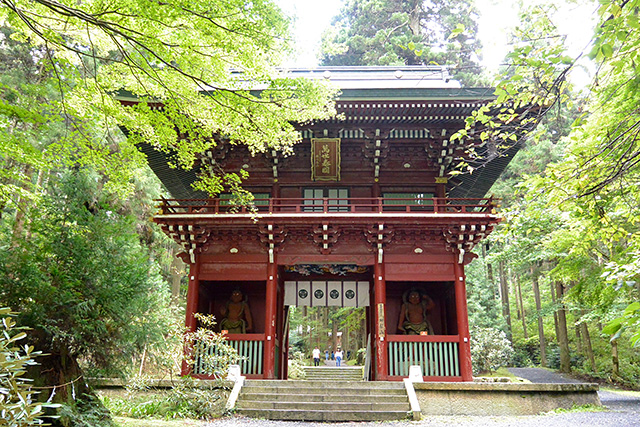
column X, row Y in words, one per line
column 621, row 410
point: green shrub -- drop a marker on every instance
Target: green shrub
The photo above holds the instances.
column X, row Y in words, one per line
column 18, row 406
column 215, row 363
column 189, row 398
column 296, row 366
column 490, row 349
column 85, row 412
column 526, row 352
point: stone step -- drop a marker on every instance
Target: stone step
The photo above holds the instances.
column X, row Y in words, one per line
column 302, row 400
column 389, row 398
column 320, row 406
column 378, row 385
column 331, row 375
column 328, row 389
column 341, row 371
column 324, row 415
column 332, row 367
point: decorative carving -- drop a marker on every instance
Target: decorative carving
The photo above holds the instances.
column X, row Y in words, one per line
column 375, row 149
column 215, row 154
column 379, row 133
column 272, row 236
column 461, row 239
column 191, row 237
column 275, row 160
column 379, row 235
column 325, row 236
column 334, row 269
column 419, row 237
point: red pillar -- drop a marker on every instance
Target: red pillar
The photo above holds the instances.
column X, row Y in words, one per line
column 380, row 314
column 270, row 320
column 193, row 291
column 463, row 322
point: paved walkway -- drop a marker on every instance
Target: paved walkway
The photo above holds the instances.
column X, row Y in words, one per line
column 538, row 375
column 330, row 362
column 621, row 406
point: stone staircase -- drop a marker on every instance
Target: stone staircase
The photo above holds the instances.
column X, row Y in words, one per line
column 333, row 373
column 323, row 400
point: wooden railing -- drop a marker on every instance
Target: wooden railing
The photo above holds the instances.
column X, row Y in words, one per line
column 331, row 205
column 437, row 355
column 249, row 346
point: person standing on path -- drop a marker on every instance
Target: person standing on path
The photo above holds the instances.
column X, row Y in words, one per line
column 316, row 356
column 338, row 356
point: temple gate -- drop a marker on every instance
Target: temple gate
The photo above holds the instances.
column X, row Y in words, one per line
column 364, row 214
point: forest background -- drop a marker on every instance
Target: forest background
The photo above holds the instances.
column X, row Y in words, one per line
column 99, row 286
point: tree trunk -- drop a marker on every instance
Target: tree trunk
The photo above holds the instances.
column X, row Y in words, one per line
column 614, row 359
column 504, row 296
column 522, row 312
column 346, row 342
column 177, row 273
column 325, row 328
column 60, row 379
column 21, row 208
column 515, row 280
column 414, row 18
column 554, row 300
column 536, row 295
column 563, row 335
column 305, row 327
column 489, row 266
column 578, row 339
column 584, row 330
column 39, row 184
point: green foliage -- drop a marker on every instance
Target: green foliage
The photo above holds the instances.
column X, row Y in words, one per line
column 630, row 319
column 215, row 363
column 81, row 280
column 394, row 32
column 580, row 408
column 79, row 58
column 533, row 82
column 490, row 349
column 297, row 362
column 589, row 197
column 524, row 354
column 187, row 399
column 314, row 326
column 18, row 406
column 86, row 411
column 482, row 301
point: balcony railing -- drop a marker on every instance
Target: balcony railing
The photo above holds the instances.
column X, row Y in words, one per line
column 330, row 205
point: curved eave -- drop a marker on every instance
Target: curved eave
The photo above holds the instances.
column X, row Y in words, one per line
column 478, row 183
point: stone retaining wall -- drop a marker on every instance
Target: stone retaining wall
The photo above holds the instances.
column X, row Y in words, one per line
column 502, row 398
